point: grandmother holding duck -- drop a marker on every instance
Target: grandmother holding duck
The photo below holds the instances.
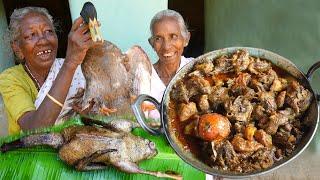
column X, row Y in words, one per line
column 34, row 91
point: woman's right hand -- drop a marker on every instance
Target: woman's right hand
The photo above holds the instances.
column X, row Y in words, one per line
column 79, row 41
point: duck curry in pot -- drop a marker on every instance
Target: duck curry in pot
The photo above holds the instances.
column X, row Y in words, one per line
column 238, row 112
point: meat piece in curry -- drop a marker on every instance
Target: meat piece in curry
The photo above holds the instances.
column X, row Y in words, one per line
column 238, row 112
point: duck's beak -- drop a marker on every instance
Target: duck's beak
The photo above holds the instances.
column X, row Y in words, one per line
column 95, row 30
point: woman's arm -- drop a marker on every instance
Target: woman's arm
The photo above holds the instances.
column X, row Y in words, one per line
column 79, row 41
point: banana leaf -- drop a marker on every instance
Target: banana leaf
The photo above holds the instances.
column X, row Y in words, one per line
column 43, row 162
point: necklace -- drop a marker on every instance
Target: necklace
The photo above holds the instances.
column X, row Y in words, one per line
column 34, row 79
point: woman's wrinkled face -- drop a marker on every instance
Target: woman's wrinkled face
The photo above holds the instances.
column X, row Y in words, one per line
column 37, row 42
column 167, row 40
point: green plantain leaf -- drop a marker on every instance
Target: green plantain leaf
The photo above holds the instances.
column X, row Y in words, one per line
column 44, row 163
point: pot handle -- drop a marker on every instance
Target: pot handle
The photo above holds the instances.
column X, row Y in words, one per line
column 310, row 72
column 136, row 108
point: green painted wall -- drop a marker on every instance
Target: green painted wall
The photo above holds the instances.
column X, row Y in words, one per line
column 290, row 28
column 124, row 22
column 6, row 57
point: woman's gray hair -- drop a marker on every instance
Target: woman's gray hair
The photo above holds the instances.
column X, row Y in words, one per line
column 17, row 16
column 173, row 14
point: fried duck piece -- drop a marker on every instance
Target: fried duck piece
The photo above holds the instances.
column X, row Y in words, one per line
column 257, row 66
column 240, row 60
column 268, row 101
column 241, row 145
column 91, row 147
column 263, row 138
column 285, row 141
column 279, row 84
column 226, row 156
column 263, row 81
column 240, row 109
column 220, row 79
column 203, row 103
column 180, row 93
column 268, row 78
column 279, row 118
column 223, row 65
column 298, row 97
column 218, row 96
column 260, row 115
column 187, row 110
column 262, row 158
column 239, row 86
column 281, row 99
column 197, row 85
column 204, row 67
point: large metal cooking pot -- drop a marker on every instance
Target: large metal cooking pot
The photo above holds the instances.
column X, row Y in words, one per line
column 311, row 118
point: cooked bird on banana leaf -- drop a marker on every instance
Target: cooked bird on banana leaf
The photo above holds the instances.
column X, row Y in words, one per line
column 239, row 113
column 91, row 147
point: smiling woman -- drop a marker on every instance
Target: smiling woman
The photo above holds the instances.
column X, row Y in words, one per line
column 169, row 37
column 37, row 44
column 34, row 42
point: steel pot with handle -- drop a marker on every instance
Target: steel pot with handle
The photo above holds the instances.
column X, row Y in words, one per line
column 311, row 116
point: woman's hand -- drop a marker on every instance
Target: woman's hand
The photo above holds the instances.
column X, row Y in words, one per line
column 79, row 41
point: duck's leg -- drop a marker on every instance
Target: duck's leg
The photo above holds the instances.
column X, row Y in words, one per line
column 145, row 106
column 106, row 111
column 83, row 164
column 131, row 167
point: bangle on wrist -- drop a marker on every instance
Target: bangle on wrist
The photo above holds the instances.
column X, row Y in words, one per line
column 54, row 100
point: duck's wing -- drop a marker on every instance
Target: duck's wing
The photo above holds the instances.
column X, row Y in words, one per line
column 140, row 69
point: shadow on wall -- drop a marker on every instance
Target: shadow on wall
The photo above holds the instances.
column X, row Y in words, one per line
column 3, row 119
column 193, row 14
column 6, row 56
